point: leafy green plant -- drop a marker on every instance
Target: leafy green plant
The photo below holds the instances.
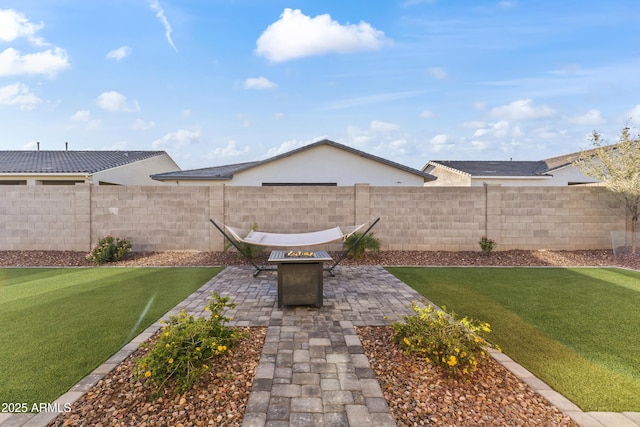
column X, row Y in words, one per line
column 368, row 242
column 251, row 251
column 109, row 249
column 487, row 245
column 456, row 345
column 185, row 346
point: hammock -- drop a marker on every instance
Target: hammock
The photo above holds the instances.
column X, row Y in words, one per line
column 293, row 240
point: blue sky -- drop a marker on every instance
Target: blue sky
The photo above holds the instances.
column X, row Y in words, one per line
column 226, row 81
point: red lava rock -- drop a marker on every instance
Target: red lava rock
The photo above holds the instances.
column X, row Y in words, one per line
column 417, row 393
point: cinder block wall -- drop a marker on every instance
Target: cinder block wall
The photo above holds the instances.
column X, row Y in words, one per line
column 45, row 217
column 160, row 218
column 155, row 218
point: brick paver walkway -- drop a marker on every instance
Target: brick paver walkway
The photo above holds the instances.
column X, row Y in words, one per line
column 313, row 371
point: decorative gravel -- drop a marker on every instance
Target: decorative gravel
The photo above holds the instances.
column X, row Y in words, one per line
column 386, row 258
column 418, row 394
column 220, row 399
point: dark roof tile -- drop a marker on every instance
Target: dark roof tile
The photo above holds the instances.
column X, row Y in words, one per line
column 69, row 161
column 226, row 172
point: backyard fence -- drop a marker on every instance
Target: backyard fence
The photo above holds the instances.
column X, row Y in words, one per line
column 163, row 218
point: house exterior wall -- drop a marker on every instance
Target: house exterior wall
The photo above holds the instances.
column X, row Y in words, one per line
column 447, row 178
column 570, row 175
column 326, row 164
column 137, row 173
column 560, row 177
column 161, row 218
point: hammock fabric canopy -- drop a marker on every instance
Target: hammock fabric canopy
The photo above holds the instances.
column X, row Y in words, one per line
column 288, row 240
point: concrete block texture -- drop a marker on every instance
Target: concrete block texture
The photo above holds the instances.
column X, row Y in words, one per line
column 163, row 218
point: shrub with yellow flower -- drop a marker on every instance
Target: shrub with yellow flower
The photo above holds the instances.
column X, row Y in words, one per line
column 441, row 339
column 182, row 351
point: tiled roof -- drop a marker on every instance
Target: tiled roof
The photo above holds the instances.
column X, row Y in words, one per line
column 212, row 173
column 69, row 161
column 227, row 171
column 495, row 168
column 511, row 168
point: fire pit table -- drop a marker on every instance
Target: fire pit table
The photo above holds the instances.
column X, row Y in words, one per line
column 300, row 276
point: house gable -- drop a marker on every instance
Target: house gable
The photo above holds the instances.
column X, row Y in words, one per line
column 321, row 163
column 71, row 167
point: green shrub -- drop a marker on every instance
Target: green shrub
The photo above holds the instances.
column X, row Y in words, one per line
column 487, row 245
column 109, row 249
column 186, row 344
column 455, row 345
column 251, row 251
column 368, row 242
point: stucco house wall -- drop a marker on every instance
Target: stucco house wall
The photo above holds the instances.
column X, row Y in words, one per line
column 83, row 167
column 325, row 164
column 137, row 173
column 321, row 163
column 447, row 178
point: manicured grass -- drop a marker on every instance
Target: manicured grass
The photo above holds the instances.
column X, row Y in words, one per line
column 58, row 324
column 578, row 329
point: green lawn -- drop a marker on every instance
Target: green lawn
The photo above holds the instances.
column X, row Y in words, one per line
column 578, row 329
column 58, row 324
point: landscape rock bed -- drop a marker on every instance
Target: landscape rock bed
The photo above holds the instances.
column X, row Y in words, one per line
column 599, row 258
column 417, row 393
column 420, row 394
column 220, row 399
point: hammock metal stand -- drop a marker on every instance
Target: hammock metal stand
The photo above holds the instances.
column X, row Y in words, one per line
column 260, row 268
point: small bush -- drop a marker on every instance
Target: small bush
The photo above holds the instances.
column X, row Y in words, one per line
column 109, row 249
column 455, row 345
column 487, row 245
column 185, row 346
column 368, row 242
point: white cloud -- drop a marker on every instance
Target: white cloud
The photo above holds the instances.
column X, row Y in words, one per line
column 177, row 140
column 82, row 116
column 378, row 126
column 372, row 99
column 113, row 101
column 474, row 124
column 480, row 145
column 230, row 150
column 14, row 24
column 427, row 114
column 500, row 129
column 590, row 118
column 259, row 83
column 155, row 6
column 441, row 143
column 296, row 35
column 186, row 112
column 119, row 53
column 18, row 94
column 286, row 146
column 522, row 109
column 438, row 73
column 633, row 115
column 140, row 124
column 48, row 62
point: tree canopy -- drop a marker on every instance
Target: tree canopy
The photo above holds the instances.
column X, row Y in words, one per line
column 618, row 167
